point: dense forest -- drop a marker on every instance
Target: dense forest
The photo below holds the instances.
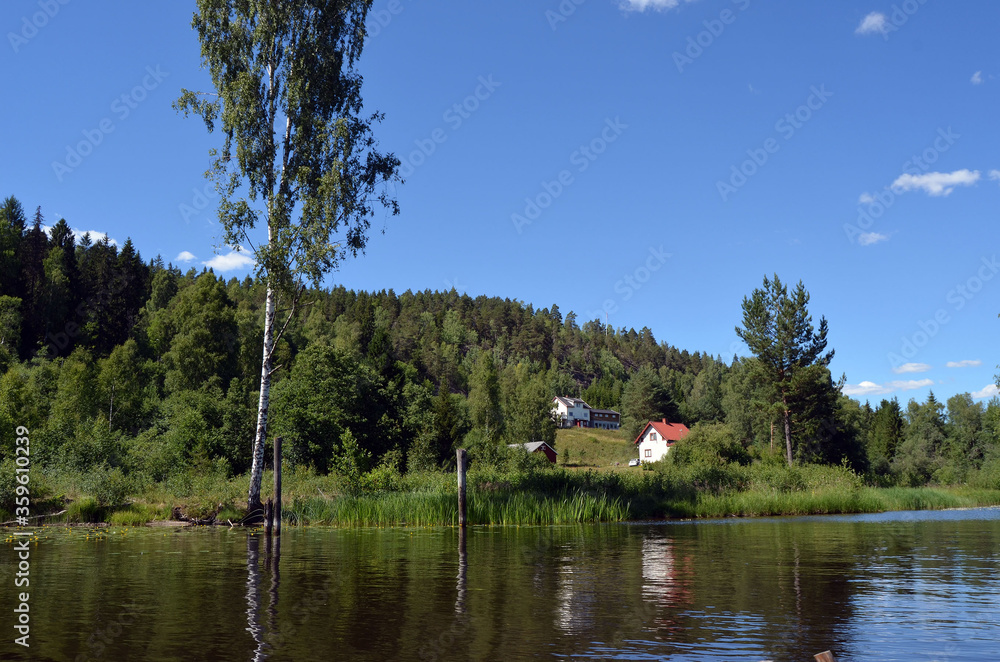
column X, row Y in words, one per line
column 114, row 362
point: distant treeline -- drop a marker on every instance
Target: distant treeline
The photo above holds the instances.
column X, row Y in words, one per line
column 114, row 362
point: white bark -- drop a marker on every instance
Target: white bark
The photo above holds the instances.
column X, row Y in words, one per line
column 257, row 471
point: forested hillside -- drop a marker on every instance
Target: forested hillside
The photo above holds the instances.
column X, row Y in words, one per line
column 116, row 362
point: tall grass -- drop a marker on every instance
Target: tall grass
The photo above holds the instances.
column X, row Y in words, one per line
column 517, row 494
column 441, row 508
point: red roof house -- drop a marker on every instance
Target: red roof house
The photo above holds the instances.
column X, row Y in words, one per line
column 657, row 437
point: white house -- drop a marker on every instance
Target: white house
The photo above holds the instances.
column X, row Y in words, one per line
column 571, row 412
column 657, row 437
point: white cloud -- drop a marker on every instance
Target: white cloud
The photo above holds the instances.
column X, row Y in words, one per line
column 977, row 78
column 869, row 238
column 910, row 384
column 185, row 256
column 864, row 388
column 871, row 388
column 95, row 236
column 911, row 367
column 995, row 175
column 988, row 391
column 234, row 259
column 873, row 23
column 866, row 199
column 936, row 183
column 658, row 5
column 964, row 364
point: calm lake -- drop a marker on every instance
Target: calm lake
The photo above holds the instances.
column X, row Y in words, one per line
column 894, row 586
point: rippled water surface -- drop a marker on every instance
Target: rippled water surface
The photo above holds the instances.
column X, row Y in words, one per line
column 895, row 586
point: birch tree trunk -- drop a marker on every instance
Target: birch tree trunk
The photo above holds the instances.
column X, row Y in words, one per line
column 257, row 470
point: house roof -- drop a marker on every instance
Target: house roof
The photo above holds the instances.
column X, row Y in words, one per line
column 570, row 402
column 532, row 446
column 671, row 432
column 605, row 411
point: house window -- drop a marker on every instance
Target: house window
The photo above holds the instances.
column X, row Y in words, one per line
column 652, row 436
column 649, row 452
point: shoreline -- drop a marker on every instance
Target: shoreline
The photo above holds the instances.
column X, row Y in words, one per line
column 527, row 508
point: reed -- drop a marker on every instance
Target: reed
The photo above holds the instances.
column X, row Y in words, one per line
column 441, row 508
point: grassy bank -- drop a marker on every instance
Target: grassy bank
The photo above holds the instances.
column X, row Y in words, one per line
column 830, row 501
column 528, row 495
column 583, row 448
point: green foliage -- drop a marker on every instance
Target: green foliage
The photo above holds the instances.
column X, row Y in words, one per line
column 645, row 399
column 885, row 434
column 109, row 487
column 328, row 392
column 10, row 330
column 709, row 444
column 777, row 327
column 351, row 461
column 919, row 455
column 93, row 446
column 484, row 401
column 155, row 373
column 39, row 486
column 195, row 333
column 527, row 406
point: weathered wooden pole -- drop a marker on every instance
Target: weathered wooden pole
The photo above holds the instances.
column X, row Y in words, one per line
column 825, row 656
column 460, row 453
column 277, row 486
column 268, row 507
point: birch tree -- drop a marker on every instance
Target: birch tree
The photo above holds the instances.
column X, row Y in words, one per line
column 298, row 157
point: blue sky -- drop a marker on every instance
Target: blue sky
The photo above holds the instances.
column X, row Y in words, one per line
column 650, row 160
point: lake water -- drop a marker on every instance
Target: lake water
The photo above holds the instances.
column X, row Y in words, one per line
column 894, row 586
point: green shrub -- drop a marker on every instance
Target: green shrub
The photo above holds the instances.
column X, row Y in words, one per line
column 110, row 487
column 84, row 510
column 39, row 488
column 711, row 444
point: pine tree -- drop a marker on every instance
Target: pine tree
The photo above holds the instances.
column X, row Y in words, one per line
column 778, row 330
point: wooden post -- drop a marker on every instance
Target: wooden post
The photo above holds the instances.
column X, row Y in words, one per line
column 277, row 486
column 460, row 453
column 463, row 572
column 268, row 506
column 825, row 656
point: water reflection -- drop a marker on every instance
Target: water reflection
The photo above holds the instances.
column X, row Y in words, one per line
column 253, row 597
column 666, row 588
column 263, row 637
column 915, row 589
